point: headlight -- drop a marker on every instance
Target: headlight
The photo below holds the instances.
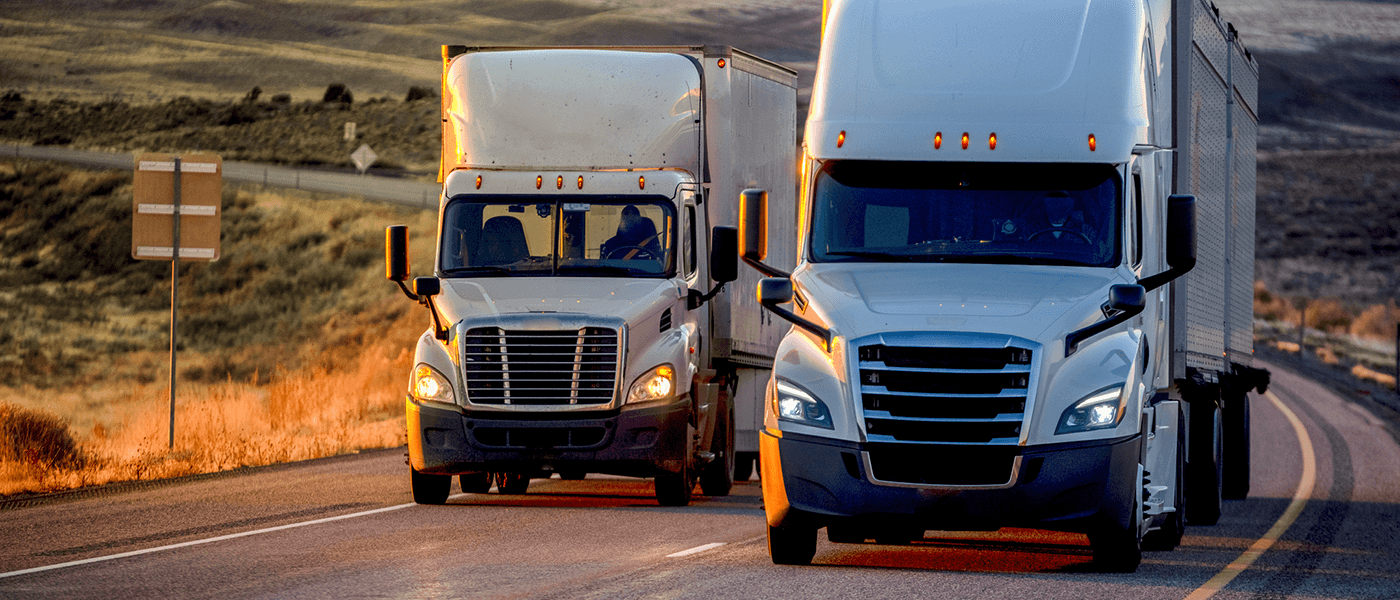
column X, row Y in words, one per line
column 1099, row 410
column 792, row 403
column 429, row 384
column 656, row 384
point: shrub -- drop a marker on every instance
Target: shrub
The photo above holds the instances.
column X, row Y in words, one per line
column 1377, row 322
column 37, row 439
column 337, row 92
column 419, row 93
column 1328, row 315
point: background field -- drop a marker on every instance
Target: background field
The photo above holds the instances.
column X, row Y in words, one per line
column 294, row 344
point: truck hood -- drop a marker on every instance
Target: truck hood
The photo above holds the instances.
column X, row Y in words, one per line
column 1026, row 301
column 630, row 299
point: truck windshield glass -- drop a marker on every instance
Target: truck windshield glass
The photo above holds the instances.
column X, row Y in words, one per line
column 882, row 211
column 583, row 236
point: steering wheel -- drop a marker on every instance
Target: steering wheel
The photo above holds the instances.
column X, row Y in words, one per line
column 640, row 254
column 1054, row 229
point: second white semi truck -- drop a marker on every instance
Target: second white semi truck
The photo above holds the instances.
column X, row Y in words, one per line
column 1023, row 289
column 580, row 318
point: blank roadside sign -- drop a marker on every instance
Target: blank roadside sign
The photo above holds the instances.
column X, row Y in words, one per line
column 153, row 209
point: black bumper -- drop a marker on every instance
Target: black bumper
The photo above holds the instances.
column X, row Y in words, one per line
column 642, row 442
column 1066, row 487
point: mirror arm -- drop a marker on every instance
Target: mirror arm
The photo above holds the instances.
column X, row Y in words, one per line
column 696, row 299
column 1074, row 338
column 822, row 332
column 411, row 296
column 439, row 331
column 765, row 269
column 1161, row 279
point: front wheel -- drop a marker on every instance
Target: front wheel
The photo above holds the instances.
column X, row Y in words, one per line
column 1116, row 549
column 429, row 489
column 792, row 545
column 676, row 489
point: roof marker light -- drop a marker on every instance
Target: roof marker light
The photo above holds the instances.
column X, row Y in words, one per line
column 580, row 182
column 992, row 141
column 841, row 138
column 641, row 182
column 1093, row 143
column 965, row 139
column 937, row 140
column 539, row 181
column 559, row 183
column 721, row 63
column 478, row 182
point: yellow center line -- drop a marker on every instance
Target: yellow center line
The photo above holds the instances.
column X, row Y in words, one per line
column 1300, row 499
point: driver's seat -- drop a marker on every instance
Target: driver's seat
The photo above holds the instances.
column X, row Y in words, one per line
column 502, row 242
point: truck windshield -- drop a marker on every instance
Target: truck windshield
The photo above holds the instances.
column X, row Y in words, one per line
column 583, row 236
column 883, row 211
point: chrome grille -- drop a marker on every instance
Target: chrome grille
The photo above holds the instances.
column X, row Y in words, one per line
column 944, row 395
column 527, row 367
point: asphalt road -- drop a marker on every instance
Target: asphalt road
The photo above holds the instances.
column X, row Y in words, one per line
column 346, row 528
column 385, row 189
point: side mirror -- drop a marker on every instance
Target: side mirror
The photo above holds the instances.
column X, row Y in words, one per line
column 1181, row 232
column 1121, row 297
column 396, row 252
column 724, row 254
column 1127, row 299
column 427, row 287
column 1181, row 241
column 753, row 231
column 774, row 290
column 753, row 223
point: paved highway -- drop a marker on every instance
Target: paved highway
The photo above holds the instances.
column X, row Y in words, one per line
column 386, row 189
column 1323, row 521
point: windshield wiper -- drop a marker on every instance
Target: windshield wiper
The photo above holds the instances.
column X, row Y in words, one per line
column 608, row 269
column 1015, row 259
column 483, row 270
column 881, row 255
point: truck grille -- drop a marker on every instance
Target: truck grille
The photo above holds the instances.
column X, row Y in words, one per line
column 944, row 395
column 576, row 366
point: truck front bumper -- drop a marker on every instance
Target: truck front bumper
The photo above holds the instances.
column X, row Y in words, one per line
column 813, row 482
column 642, row 442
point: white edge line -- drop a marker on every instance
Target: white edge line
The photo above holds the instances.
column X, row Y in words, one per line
column 695, row 550
column 88, row 561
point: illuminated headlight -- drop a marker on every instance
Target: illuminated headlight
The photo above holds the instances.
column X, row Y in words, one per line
column 792, row 403
column 429, row 384
column 1099, row 410
column 656, row 384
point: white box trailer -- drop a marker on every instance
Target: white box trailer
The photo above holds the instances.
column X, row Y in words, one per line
column 998, row 203
column 578, row 325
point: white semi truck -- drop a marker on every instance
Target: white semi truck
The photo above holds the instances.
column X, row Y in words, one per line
column 580, row 321
column 1023, row 284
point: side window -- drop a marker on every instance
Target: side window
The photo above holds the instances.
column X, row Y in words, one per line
column 690, row 245
column 1137, row 220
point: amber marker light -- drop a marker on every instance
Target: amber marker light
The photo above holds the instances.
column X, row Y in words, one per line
column 992, row 141
column 721, row 63
column 938, row 140
column 559, row 182
column 539, row 181
column 478, row 182
column 641, row 182
column 1093, row 143
column 965, row 139
column 580, row 182
column 841, row 139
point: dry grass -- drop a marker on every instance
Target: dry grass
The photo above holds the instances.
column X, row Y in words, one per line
column 292, row 345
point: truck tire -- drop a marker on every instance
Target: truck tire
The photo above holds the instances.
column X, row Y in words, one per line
column 1203, row 466
column 792, row 545
column 429, row 489
column 845, row 534
column 512, row 483
column 744, row 463
column 676, row 489
column 1234, row 442
column 475, row 483
column 717, row 479
column 1116, row 549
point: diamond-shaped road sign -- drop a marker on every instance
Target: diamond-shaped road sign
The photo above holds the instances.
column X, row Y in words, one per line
column 363, row 157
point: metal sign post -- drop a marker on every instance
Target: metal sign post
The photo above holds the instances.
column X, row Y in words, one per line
column 194, row 187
